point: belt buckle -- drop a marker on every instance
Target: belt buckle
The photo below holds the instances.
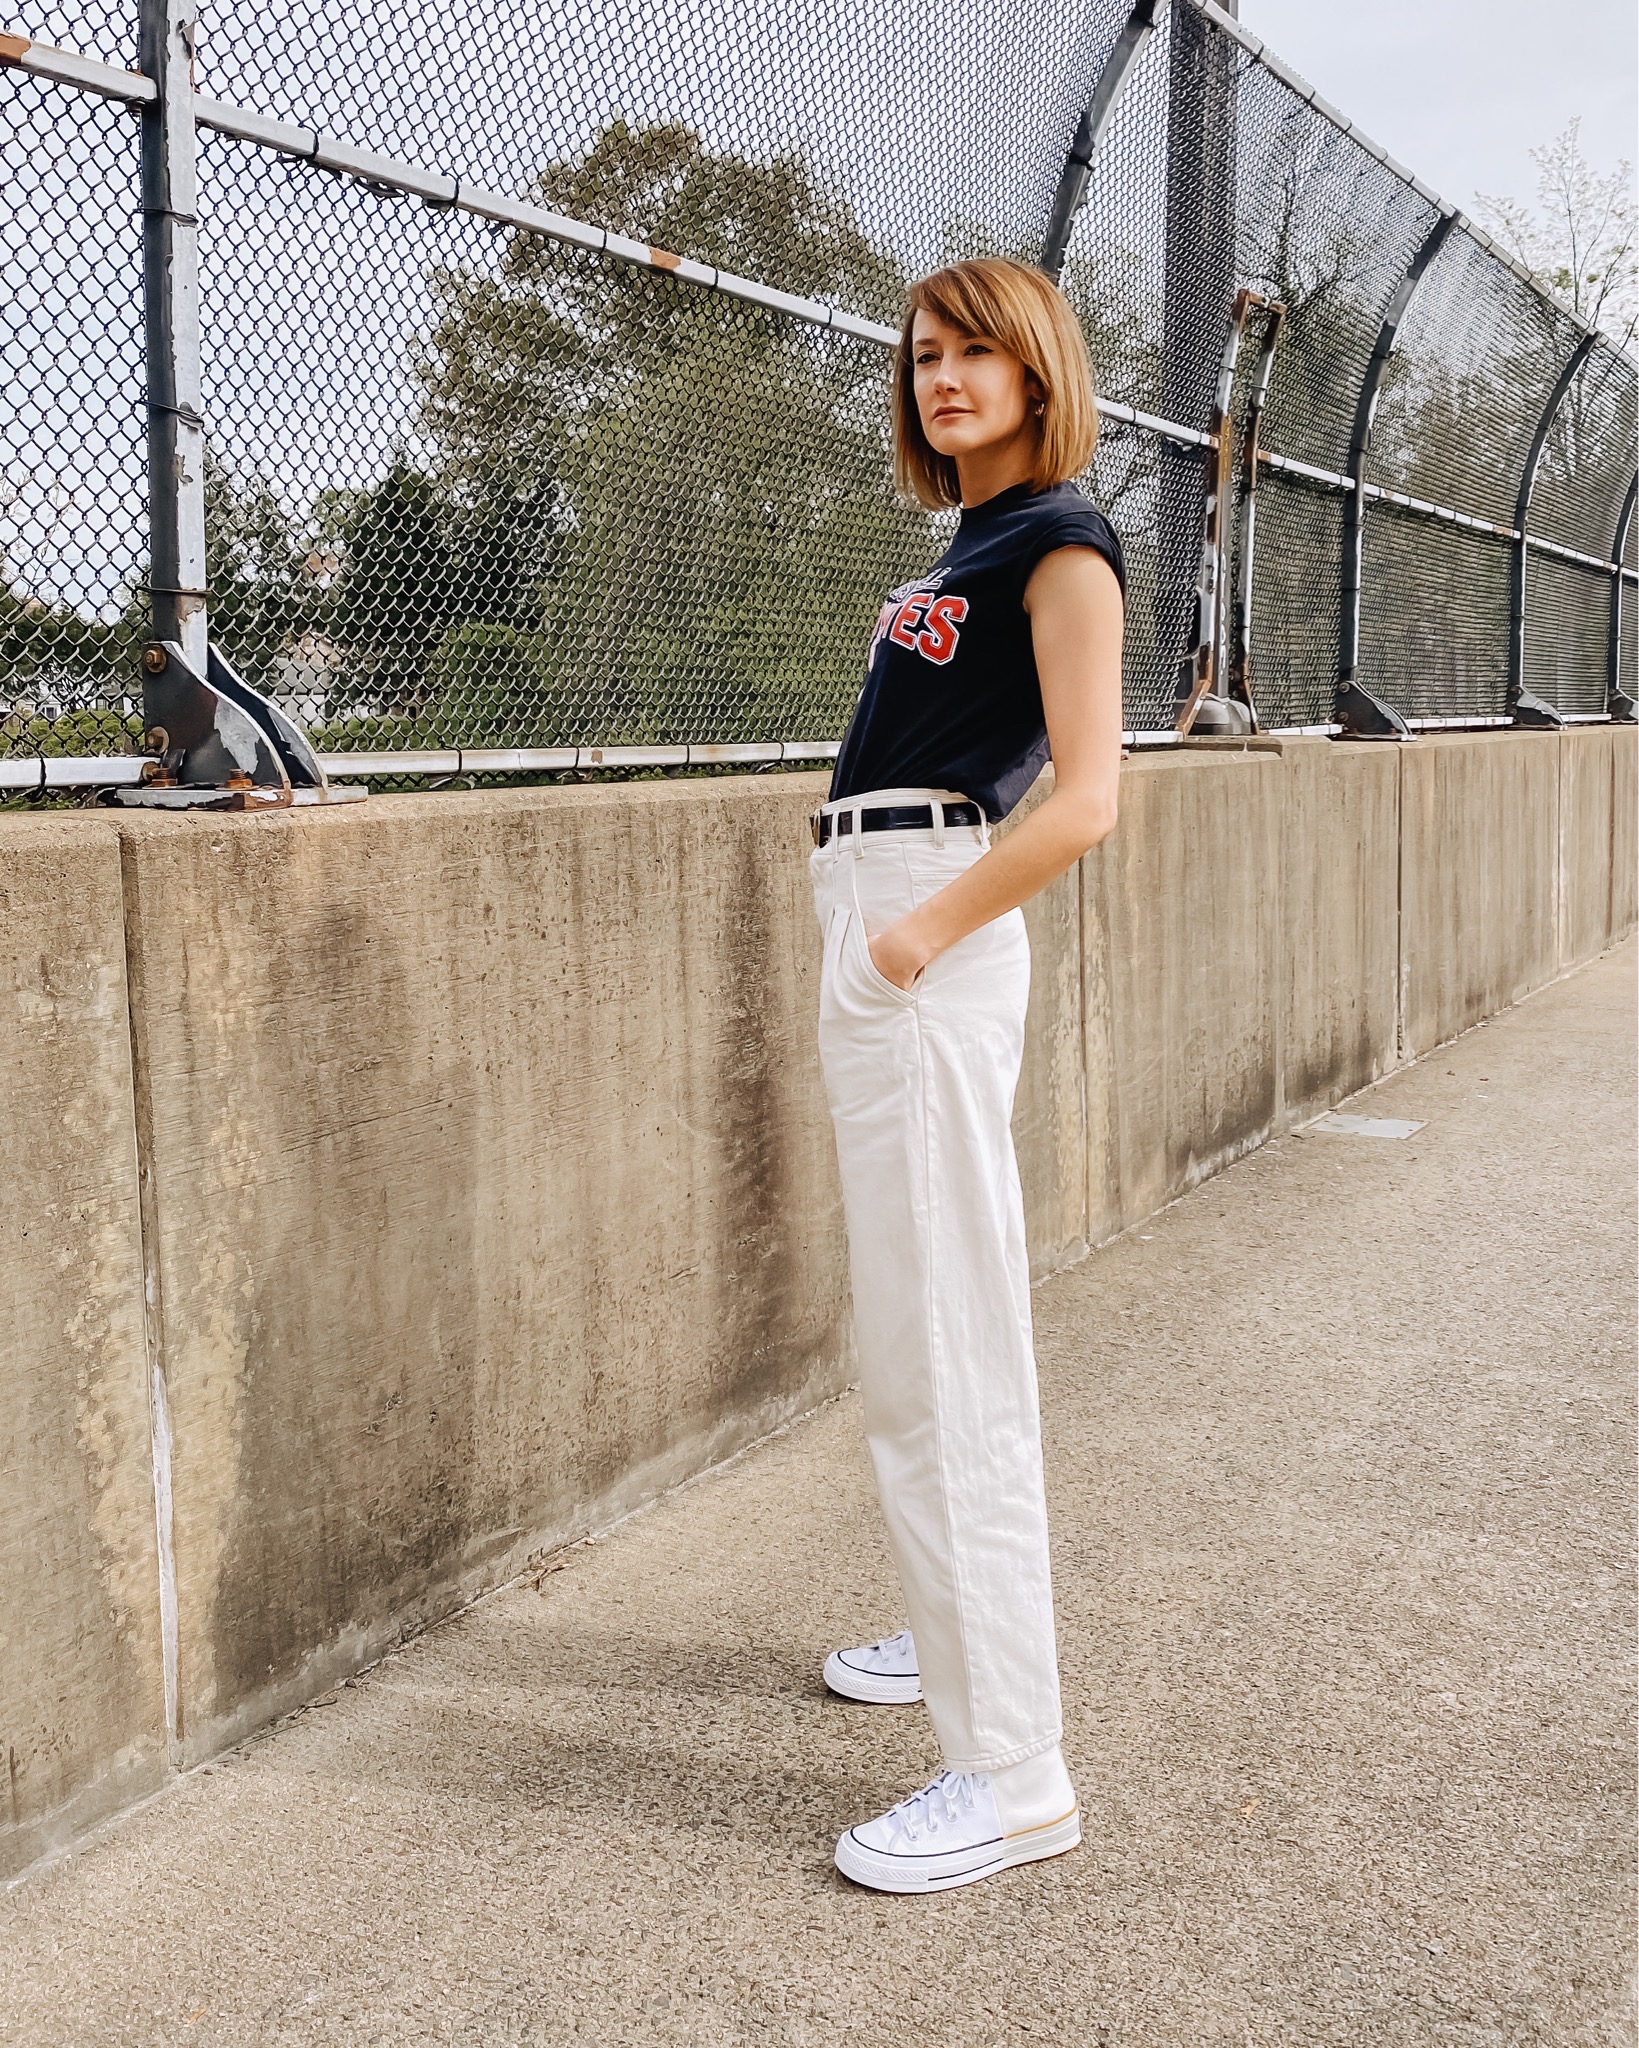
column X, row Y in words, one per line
column 814, row 817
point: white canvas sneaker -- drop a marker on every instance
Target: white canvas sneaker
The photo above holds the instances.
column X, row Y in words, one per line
column 948, row 1834
column 883, row 1674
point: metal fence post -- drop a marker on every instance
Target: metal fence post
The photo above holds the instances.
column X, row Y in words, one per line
column 170, row 252
column 1358, row 711
column 1525, row 706
column 1198, row 290
column 1090, row 131
column 1618, row 703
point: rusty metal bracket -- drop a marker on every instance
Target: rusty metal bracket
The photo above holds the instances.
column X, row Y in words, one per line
column 219, row 743
column 1240, row 645
column 1205, row 676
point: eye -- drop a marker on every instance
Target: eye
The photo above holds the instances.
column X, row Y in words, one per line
column 981, row 348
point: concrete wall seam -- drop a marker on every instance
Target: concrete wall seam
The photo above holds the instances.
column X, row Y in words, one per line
column 159, row 1411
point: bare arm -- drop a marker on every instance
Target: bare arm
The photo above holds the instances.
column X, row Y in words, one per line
column 1075, row 611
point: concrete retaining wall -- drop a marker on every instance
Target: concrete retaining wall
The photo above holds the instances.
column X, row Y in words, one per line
column 494, row 1194
column 1480, row 846
column 486, row 1186
column 1180, row 971
column 82, row 1720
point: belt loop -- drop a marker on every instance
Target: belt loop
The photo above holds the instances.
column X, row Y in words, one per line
column 984, row 829
column 937, row 808
column 858, row 815
column 853, row 889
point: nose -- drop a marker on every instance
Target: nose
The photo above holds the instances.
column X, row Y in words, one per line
column 945, row 378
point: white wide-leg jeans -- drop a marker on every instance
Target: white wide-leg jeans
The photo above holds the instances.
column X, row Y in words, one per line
column 921, row 1085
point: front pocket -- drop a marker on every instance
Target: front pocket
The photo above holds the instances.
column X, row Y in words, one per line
column 873, row 973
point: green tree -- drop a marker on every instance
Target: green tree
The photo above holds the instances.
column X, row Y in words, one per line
column 67, row 682
column 259, row 572
column 710, row 520
column 496, row 686
column 1581, row 240
column 398, row 584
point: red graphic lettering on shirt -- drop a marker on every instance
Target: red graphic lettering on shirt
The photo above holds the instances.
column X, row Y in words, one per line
column 908, row 619
column 915, row 617
column 938, row 637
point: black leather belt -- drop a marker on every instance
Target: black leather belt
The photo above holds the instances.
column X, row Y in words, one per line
column 892, row 818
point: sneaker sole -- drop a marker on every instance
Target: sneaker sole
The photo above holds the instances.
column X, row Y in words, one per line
column 875, row 1689
column 943, row 1873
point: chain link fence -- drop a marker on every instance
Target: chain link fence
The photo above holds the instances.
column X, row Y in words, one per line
column 543, row 360
column 73, row 431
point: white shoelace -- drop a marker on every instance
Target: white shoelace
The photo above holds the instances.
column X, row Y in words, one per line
column 935, row 1806
column 889, row 1644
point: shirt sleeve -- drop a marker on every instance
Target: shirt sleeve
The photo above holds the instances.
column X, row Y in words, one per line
column 1074, row 527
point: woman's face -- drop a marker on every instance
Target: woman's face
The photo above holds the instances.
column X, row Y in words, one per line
column 971, row 393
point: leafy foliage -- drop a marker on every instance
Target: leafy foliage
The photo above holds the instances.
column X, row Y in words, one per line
column 702, row 487
column 627, row 509
column 1579, row 242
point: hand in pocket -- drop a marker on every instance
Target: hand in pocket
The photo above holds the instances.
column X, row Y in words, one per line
column 897, row 956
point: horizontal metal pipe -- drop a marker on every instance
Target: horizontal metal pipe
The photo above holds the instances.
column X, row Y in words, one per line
column 440, row 189
column 64, row 67
column 99, row 771
column 559, row 760
column 72, row 771
column 1334, row 480
column 1539, row 546
column 111, row 771
column 434, row 188
column 1467, row 724
column 1429, row 510
column 1152, row 423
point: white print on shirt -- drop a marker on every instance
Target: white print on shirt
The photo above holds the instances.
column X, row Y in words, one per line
column 916, row 617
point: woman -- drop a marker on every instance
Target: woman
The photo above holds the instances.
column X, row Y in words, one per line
column 1007, row 652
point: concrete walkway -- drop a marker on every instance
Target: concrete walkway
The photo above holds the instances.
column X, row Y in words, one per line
column 1341, row 1461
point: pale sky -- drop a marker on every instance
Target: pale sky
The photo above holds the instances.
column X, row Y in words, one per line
column 1461, row 90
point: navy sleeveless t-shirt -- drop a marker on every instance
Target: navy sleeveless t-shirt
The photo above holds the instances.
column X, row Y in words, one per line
column 951, row 698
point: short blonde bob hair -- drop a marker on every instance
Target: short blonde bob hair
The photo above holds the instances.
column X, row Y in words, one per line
column 1022, row 309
